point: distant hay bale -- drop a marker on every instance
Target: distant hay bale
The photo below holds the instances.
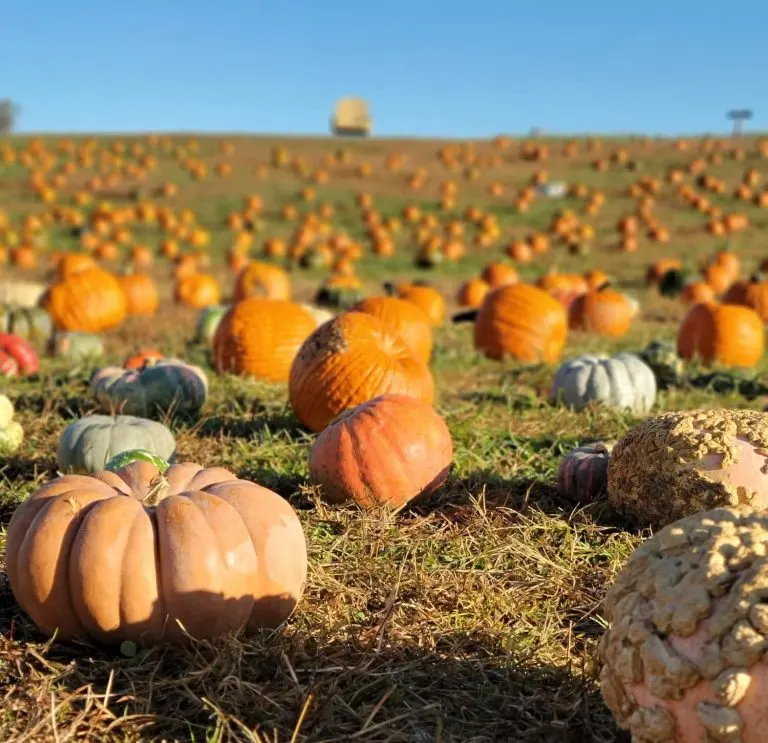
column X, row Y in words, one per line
column 351, row 117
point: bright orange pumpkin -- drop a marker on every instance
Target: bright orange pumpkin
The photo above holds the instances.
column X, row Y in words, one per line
column 261, row 337
column 725, row 334
column 404, row 319
column 523, row 322
column 348, row 361
column 262, row 280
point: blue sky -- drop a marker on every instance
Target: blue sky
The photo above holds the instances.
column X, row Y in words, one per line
column 428, row 67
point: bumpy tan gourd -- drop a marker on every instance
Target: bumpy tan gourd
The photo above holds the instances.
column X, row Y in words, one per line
column 684, row 660
column 681, row 463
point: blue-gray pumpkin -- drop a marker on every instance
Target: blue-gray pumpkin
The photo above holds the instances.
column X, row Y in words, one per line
column 89, row 443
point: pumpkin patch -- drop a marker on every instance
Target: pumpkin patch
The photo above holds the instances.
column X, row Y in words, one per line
column 479, row 426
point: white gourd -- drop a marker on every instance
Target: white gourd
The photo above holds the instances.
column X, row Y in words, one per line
column 623, row 381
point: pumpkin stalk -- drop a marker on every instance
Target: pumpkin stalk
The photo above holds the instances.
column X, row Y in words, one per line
column 158, row 490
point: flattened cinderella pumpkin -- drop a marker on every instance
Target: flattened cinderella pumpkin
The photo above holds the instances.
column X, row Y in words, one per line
column 142, row 555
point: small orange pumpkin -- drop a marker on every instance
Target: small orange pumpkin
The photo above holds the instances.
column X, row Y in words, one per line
column 198, row 290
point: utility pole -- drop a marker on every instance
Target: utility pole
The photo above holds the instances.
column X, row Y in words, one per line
column 738, row 117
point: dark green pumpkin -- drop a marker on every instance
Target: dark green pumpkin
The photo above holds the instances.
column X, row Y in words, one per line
column 666, row 365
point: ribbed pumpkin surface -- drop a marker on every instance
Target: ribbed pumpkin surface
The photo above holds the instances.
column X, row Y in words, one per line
column 141, row 294
column 403, row 318
column 198, row 290
column 523, row 322
column 726, row 334
column 261, row 337
column 91, row 301
column 348, row 361
column 261, row 280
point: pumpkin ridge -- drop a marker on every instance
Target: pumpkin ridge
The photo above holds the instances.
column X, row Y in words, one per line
column 59, row 577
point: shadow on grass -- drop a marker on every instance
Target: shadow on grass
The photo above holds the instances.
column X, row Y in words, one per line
column 299, row 685
column 236, row 426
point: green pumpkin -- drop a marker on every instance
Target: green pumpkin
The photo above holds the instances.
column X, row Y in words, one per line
column 338, row 298
column 169, row 386
column 673, row 282
column 76, row 346
column 207, row 322
column 32, row 323
column 667, row 366
column 91, row 442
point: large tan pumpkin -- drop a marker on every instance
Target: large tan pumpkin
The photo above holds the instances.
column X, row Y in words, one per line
column 350, row 360
column 130, row 554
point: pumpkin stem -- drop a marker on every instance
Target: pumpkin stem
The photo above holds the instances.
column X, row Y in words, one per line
column 158, row 490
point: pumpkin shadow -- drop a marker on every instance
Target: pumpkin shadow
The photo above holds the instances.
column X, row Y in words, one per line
column 235, row 426
column 464, row 687
column 66, row 406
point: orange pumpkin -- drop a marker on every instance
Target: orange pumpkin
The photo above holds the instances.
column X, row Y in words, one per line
column 726, row 334
column 260, row 338
column 145, row 357
column 498, row 274
column 404, row 319
column 262, row 280
column 193, row 547
column 348, row 361
column 718, row 277
column 91, row 301
column 387, row 451
column 752, row 293
column 523, row 322
column 141, row 294
column 71, row 264
column 427, row 298
column 472, row 293
column 198, row 290
column 696, row 292
column 604, row 311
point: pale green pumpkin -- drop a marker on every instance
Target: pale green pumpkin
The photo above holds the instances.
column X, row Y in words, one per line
column 88, row 444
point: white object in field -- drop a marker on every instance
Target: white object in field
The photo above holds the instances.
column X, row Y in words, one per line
column 553, row 189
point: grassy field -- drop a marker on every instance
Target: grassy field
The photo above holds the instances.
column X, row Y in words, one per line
column 469, row 618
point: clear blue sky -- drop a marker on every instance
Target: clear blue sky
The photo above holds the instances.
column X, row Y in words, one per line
column 460, row 68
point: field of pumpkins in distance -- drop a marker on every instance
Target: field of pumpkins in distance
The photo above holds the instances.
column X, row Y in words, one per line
column 383, row 440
